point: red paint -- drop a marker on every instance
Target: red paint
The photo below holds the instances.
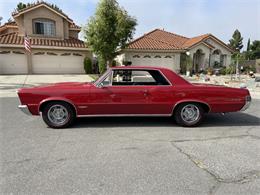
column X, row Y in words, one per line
column 91, row 100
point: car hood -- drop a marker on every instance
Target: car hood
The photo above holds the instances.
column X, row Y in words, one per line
column 57, row 86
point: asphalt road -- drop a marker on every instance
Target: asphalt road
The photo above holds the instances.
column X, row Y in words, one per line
column 130, row 155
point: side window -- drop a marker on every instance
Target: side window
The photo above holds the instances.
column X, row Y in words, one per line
column 138, row 77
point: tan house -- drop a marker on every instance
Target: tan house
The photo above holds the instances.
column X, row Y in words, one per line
column 161, row 48
column 55, row 47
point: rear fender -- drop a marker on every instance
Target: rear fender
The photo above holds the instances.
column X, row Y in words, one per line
column 190, row 100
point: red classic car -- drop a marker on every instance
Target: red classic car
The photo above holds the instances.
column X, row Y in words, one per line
column 131, row 91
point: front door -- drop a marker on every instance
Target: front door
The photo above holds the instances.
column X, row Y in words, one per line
column 130, row 92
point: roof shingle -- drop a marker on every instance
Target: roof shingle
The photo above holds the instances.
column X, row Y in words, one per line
column 14, row 39
column 163, row 40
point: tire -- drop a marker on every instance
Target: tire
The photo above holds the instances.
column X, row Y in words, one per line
column 58, row 115
column 189, row 114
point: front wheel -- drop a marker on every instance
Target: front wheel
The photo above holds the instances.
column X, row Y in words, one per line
column 189, row 114
column 58, row 115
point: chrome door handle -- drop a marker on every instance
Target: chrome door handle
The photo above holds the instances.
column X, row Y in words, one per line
column 146, row 93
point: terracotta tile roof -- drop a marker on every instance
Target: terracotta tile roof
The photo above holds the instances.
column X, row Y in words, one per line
column 11, row 24
column 74, row 26
column 38, row 4
column 195, row 40
column 14, row 39
column 163, row 40
column 158, row 39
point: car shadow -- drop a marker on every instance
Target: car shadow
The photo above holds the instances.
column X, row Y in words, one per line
column 211, row 120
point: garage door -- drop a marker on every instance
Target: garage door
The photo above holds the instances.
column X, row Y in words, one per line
column 13, row 62
column 57, row 63
column 157, row 60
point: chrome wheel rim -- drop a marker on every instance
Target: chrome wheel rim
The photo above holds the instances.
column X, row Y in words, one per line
column 190, row 113
column 58, row 114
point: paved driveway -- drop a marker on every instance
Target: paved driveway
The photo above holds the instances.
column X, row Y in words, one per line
column 129, row 155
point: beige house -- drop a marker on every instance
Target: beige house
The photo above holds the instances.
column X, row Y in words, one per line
column 55, row 47
column 161, row 48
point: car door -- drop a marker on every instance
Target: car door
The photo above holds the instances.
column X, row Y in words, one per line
column 132, row 92
column 116, row 95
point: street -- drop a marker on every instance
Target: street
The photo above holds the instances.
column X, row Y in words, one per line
column 130, row 155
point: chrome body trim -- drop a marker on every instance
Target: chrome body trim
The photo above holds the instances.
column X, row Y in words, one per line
column 247, row 103
column 25, row 109
column 126, row 115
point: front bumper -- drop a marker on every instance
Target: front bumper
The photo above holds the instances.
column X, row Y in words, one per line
column 25, row 109
column 247, row 104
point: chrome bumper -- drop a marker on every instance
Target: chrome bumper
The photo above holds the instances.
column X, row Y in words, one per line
column 24, row 109
column 247, row 104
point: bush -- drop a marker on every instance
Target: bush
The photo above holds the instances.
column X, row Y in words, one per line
column 230, row 69
column 113, row 63
column 87, row 65
column 223, row 71
column 102, row 65
column 127, row 63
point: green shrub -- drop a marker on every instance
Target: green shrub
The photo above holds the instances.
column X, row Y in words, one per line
column 113, row 63
column 87, row 65
column 230, row 69
column 102, row 66
column 223, row 71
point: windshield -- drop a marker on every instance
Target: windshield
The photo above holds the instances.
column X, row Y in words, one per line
column 100, row 78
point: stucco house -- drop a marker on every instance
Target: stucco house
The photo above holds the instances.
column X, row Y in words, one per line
column 162, row 48
column 55, row 47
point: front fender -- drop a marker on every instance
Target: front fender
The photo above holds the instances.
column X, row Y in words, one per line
column 56, row 99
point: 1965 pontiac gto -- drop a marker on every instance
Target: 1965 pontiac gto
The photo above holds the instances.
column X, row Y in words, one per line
column 131, row 91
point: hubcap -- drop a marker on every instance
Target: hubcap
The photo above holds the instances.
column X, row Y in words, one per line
column 190, row 113
column 58, row 114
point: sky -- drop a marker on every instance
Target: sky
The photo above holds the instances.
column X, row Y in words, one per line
column 185, row 17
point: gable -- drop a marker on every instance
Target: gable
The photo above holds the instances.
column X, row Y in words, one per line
column 40, row 7
column 218, row 45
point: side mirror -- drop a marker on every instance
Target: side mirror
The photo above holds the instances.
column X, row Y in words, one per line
column 100, row 85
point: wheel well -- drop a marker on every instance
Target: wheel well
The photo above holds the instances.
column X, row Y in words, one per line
column 42, row 106
column 205, row 106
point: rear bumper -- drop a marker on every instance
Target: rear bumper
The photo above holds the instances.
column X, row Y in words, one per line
column 24, row 109
column 247, row 104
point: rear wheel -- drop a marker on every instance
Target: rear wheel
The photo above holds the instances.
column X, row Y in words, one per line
column 189, row 114
column 58, row 115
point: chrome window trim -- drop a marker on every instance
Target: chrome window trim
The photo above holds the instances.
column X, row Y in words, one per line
column 100, row 80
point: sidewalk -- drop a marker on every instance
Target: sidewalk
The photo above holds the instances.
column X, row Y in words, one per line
column 9, row 84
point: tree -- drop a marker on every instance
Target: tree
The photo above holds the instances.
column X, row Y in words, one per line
column 20, row 6
column 248, row 45
column 255, row 50
column 1, row 18
column 108, row 30
column 236, row 43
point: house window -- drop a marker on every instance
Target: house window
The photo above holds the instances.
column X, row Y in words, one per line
column 136, row 56
column 44, row 27
column 5, row 52
column 77, row 54
column 147, row 56
column 168, row 57
column 65, row 54
column 157, row 56
column 18, row 52
column 51, row 54
column 39, row 53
